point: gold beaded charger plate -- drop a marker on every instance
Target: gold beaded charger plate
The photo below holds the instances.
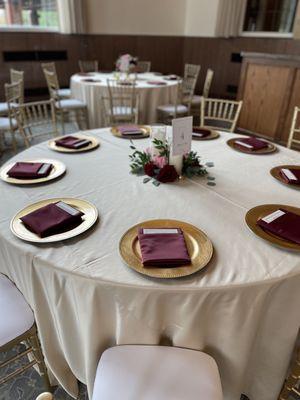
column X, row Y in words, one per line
column 262, row 211
column 89, row 218
column 199, row 246
column 275, row 172
column 213, row 134
column 57, row 170
column 94, row 144
column 268, row 150
column 145, row 133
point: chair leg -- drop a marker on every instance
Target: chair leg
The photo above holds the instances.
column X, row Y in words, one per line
column 37, row 351
column 62, row 121
column 25, row 138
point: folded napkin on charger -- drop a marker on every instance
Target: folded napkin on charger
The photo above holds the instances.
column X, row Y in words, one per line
column 171, row 78
column 52, row 219
column 91, row 80
column 30, row 170
column 251, row 143
column 201, row 132
column 159, row 83
column 72, row 142
column 130, row 130
column 282, row 223
column 291, row 175
column 163, row 247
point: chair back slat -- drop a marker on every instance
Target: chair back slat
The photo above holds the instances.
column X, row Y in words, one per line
column 15, row 77
column 52, row 83
column 207, row 83
column 294, row 128
column 88, row 65
column 218, row 111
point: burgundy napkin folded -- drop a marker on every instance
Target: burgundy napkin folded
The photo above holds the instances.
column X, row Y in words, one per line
column 52, row 219
column 128, row 130
column 125, row 83
column 251, row 143
column 165, row 250
column 294, row 178
column 201, row 132
column 91, row 80
column 72, row 142
column 171, row 78
column 28, row 170
column 283, row 224
column 159, row 83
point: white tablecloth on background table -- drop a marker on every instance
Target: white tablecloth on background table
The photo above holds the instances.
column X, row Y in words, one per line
column 243, row 309
column 150, row 95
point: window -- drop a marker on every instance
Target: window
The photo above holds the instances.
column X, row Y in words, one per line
column 31, row 14
column 270, row 16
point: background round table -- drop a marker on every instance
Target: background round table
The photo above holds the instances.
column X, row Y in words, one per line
column 243, row 309
column 150, row 95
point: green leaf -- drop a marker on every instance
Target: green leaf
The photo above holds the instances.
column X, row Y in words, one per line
column 145, row 180
column 155, row 182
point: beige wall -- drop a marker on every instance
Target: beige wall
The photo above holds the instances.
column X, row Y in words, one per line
column 201, row 17
column 149, row 17
column 152, row 17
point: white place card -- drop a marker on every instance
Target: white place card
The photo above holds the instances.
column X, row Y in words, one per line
column 154, row 231
column 275, row 215
column 289, row 174
column 182, row 135
column 197, row 134
column 248, row 146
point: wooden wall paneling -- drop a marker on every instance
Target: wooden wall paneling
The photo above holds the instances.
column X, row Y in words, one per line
column 294, row 101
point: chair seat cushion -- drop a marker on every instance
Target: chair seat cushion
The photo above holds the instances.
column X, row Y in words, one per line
column 69, row 104
column 170, row 109
column 5, row 125
column 15, row 314
column 4, row 108
column 66, row 93
column 156, row 373
column 120, row 111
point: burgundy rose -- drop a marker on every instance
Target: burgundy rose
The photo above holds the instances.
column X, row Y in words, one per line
column 167, row 174
column 149, row 169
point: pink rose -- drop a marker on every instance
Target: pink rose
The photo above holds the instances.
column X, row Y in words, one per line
column 160, row 161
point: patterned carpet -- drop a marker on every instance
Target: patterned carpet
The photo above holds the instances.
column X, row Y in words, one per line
column 29, row 385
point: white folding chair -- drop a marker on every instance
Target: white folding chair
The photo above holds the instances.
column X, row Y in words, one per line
column 64, row 93
column 156, row 373
column 295, row 130
column 17, row 325
column 220, row 114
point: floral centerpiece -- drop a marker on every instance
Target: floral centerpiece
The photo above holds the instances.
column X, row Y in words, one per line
column 157, row 167
column 126, row 63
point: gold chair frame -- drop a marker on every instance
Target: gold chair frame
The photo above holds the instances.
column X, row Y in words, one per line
column 227, row 111
column 53, row 87
column 291, row 139
column 192, row 71
column 143, row 66
column 88, row 65
column 207, row 82
column 33, row 347
column 293, row 379
column 15, row 77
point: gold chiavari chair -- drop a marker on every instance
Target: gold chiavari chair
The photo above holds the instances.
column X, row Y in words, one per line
column 220, row 114
column 143, row 66
column 88, row 65
column 196, row 100
column 295, row 129
column 182, row 106
column 122, row 103
column 45, row 396
column 15, row 76
column 62, row 93
column 291, row 387
column 191, row 71
column 65, row 106
column 36, row 118
column 18, row 326
column 13, row 94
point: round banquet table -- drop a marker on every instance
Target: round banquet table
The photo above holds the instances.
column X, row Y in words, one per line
column 243, row 309
column 151, row 95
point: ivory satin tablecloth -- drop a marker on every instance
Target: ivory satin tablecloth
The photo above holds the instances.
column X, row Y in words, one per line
column 150, row 95
column 243, row 309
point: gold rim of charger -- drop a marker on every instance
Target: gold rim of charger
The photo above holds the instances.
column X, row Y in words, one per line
column 271, row 147
column 144, row 128
column 94, row 144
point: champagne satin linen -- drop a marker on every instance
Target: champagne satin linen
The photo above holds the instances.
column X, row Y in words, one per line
column 243, row 309
column 150, row 96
